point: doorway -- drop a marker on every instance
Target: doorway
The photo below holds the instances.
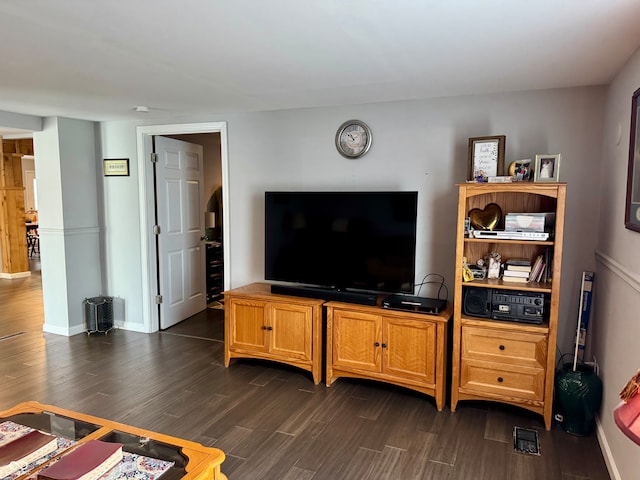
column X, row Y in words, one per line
column 146, row 183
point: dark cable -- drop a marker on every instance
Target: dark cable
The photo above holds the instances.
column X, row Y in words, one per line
column 440, row 284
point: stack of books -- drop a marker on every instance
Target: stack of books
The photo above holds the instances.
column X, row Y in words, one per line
column 22, row 451
column 541, row 268
column 517, row 270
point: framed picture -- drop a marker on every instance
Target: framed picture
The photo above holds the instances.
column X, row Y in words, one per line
column 632, row 209
column 521, row 170
column 116, row 167
column 547, row 168
column 486, row 157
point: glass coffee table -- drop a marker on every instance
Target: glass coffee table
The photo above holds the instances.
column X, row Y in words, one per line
column 190, row 460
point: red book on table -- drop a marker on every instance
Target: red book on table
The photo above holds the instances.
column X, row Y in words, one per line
column 90, row 460
column 24, row 450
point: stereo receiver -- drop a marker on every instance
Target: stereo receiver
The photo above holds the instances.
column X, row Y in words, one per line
column 508, row 305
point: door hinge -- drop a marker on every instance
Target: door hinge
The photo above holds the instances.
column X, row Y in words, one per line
column 158, row 299
column 154, row 157
column 156, row 229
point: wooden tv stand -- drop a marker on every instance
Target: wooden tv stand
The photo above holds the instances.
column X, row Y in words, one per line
column 267, row 326
column 399, row 347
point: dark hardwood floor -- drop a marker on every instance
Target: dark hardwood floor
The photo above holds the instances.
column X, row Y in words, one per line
column 269, row 419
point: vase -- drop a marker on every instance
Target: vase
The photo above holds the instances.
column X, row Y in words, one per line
column 579, row 395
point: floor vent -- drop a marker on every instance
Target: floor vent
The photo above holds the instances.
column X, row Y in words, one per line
column 525, row 440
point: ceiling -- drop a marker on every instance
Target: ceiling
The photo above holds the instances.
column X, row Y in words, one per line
column 98, row 60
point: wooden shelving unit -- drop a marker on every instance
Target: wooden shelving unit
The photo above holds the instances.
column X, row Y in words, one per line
column 214, row 271
column 507, row 361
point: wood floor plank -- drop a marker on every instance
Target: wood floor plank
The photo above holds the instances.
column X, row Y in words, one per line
column 389, row 464
column 361, row 464
column 296, row 473
column 417, row 462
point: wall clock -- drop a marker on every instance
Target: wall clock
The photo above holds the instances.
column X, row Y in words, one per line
column 353, row 139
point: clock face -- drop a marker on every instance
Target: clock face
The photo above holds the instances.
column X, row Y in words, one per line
column 353, row 139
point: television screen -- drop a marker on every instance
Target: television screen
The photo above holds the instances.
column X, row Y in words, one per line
column 342, row 240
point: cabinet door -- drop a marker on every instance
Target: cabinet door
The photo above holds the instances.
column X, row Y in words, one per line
column 247, row 329
column 357, row 340
column 291, row 330
column 409, row 349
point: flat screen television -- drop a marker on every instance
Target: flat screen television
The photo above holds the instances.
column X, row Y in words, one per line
column 342, row 241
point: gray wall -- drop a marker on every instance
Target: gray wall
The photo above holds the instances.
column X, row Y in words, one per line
column 68, row 222
column 416, row 146
column 615, row 327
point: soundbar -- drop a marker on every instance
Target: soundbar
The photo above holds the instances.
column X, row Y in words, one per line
column 329, row 294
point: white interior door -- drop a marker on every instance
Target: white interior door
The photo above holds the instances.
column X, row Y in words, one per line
column 181, row 257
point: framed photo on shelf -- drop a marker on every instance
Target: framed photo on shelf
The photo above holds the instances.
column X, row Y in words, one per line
column 547, row 168
column 521, row 170
column 632, row 208
column 486, row 157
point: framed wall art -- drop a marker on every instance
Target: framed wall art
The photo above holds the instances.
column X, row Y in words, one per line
column 547, row 168
column 486, row 157
column 116, row 167
column 632, row 209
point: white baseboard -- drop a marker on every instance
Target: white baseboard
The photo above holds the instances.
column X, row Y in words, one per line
column 606, row 452
column 67, row 332
column 11, row 276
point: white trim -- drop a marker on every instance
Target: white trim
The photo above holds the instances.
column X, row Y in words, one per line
column 68, row 232
column 13, row 276
column 145, row 186
column 620, row 270
column 633, row 281
column 606, row 451
column 67, row 332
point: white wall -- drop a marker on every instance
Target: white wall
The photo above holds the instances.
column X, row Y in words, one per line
column 416, row 146
column 615, row 328
column 119, row 211
column 68, row 222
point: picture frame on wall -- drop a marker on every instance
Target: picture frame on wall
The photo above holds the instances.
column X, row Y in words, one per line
column 547, row 167
column 485, row 157
column 632, row 207
column 116, row 167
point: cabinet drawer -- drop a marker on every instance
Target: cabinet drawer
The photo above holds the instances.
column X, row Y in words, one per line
column 504, row 346
column 502, row 379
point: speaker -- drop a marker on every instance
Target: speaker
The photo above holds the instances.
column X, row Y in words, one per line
column 477, row 302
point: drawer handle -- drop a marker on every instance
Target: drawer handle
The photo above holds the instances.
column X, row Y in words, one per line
column 384, row 345
column 264, row 327
column 377, row 344
column 500, row 379
column 501, row 347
